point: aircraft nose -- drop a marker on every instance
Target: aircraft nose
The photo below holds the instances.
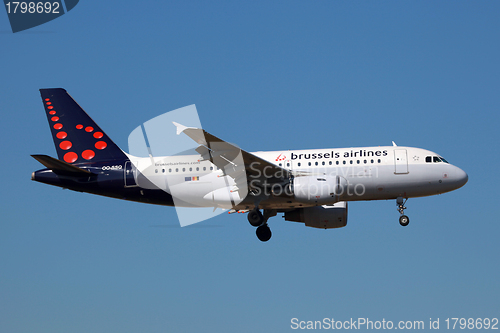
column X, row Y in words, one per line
column 461, row 177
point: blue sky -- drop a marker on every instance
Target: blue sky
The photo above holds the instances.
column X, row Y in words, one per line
column 267, row 76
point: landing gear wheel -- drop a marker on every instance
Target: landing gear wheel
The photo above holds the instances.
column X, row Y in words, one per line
column 404, row 220
column 255, row 217
column 264, row 233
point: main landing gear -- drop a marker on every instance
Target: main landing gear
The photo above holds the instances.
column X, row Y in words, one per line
column 264, row 233
column 259, row 220
column 255, row 217
column 403, row 219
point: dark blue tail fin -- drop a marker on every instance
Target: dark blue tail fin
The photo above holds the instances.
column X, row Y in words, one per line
column 76, row 136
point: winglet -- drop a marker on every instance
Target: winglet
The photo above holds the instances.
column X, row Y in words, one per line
column 180, row 128
column 394, row 144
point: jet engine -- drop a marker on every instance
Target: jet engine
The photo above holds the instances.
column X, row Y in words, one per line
column 327, row 217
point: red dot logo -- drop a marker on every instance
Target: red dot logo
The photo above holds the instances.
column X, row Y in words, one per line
column 61, row 135
column 79, row 126
column 47, row 99
column 89, row 129
column 65, row 145
column 50, row 107
column 101, row 145
column 58, row 126
column 98, row 135
column 54, row 118
column 48, row 103
column 70, row 157
column 52, row 112
column 88, row 154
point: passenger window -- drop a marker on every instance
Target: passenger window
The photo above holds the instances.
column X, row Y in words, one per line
column 204, row 168
column 428, row 159
column 163, row 170
column 379, row 160
column 190, row 169
column 280, row 164
column 197, row 169
column 288, row 165
column 176, row 169
column 316, row 163
column 211, row 168
column 337, row 163
column 309, row 163
column 357, row 161
column 298, row 164
column 324, row 162
column 343, row 162
column 169, row 170
column 372, row 161
column 350, row 161
column 183, row 169
column 156, row 171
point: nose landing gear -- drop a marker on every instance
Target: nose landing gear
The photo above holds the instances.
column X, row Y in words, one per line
column 403, row 219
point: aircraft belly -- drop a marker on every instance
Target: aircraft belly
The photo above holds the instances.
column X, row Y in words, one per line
column 192, row 193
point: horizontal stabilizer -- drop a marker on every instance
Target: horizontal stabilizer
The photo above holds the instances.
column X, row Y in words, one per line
column 61, row 168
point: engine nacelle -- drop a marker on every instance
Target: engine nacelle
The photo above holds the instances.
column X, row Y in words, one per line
column 322, row 189
column 324, row 217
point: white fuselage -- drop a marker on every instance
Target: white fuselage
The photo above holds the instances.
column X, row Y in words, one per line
column 366, row 173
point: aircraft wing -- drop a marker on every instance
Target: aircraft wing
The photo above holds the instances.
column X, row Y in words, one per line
column 233, row 160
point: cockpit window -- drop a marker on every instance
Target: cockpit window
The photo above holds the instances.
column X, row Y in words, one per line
column 435, row 159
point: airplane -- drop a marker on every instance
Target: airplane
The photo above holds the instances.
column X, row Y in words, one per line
column 308, row 186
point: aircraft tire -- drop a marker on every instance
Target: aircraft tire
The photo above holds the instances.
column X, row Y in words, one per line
column 404, row 220
column 255, row 217
column 264, row 233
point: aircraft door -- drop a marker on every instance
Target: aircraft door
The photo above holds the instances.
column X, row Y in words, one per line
column 129, row 174
column 400, row 161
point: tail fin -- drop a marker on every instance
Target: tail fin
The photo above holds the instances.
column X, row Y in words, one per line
column 76, row 136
